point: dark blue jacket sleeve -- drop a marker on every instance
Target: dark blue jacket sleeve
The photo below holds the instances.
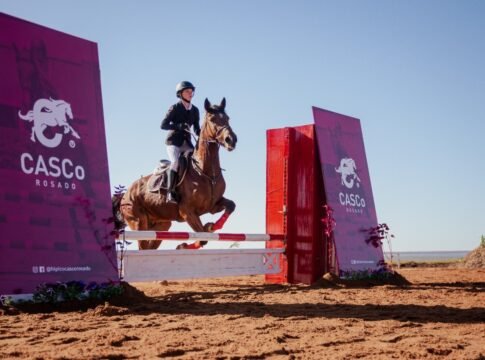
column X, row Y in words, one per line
column 196, row 123
column 167, row 122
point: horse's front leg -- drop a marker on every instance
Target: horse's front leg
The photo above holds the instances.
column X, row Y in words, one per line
column 223, row 204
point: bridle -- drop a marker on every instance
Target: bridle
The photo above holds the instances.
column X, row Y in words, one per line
column 218, row 132
column 221, row 129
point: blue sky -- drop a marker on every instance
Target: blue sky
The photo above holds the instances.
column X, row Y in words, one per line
column 412, row 71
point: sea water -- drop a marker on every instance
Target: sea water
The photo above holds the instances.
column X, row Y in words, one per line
column 427, row 255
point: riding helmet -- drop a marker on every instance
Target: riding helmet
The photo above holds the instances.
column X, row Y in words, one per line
column 181, row 86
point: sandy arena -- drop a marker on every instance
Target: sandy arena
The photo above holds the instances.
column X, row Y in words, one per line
column 441, row 315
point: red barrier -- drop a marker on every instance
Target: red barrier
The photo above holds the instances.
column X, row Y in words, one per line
column 294, row 203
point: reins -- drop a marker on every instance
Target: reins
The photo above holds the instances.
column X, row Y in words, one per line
column 199, row 170
column 195, row 162
column 213, row 179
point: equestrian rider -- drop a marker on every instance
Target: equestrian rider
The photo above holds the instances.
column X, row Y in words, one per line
column 180, row 117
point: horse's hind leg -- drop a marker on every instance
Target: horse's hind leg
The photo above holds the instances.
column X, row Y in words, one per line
column 149, row 244
column 223, row 204
column 154, row 244
column 140, row 222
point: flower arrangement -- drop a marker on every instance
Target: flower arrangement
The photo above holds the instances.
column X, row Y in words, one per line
column 383, row 273
column 54, row 293
column 104, row 240
column 119, row 224
column 328, row 221
column 122, row 247
column 117, row 218
column 78, row 290
column 75, row 290
column 377, row 234
column 328, row 224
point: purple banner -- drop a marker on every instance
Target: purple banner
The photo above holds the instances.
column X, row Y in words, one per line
column 348, row 189
column 54, row 180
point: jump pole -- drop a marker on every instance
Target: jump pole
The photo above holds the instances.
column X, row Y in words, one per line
column 180, row 236
column 158, row 265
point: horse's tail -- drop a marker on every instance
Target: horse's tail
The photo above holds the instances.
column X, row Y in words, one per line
column 119, row 221
column 28, row 117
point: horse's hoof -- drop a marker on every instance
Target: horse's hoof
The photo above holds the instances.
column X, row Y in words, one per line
column 181, row 246
column 209, row 227
column 186, row 246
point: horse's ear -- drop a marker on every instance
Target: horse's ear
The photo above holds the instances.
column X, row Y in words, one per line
column 223, row 104
column 207, row 104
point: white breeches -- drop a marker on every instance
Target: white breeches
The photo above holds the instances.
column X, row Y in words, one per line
column 174, row 154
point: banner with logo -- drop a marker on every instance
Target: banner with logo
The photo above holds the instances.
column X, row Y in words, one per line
column 348, row 189
column 55, row 194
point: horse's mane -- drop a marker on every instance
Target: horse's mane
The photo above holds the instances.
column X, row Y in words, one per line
column 215, row 109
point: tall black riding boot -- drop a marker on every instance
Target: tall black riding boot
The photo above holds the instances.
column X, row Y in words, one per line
column 171, row 182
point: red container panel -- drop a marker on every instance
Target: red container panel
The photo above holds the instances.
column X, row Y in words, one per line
column 295, row 200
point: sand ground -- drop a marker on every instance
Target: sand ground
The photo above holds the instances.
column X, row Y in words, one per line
column 441, row 315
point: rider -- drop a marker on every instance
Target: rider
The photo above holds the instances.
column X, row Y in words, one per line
column 180, row 117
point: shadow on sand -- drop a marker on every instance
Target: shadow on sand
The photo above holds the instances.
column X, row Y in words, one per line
column 233, row 301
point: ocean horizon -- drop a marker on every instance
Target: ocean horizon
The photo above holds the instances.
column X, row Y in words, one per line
column 427, row 255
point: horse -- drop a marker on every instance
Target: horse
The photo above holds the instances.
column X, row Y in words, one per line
column 201, row 189
column 49, row 112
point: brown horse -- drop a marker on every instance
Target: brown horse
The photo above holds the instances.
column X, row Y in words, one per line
column 201, row 189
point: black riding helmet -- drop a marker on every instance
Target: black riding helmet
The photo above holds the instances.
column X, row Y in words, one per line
column 181, row 86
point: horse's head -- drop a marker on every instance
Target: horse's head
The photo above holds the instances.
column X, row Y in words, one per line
column 62, row 109
column 347, row 167
column 216, row 125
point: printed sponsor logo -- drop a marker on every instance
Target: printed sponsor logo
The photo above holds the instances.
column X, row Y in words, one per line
column 49, row 113
column 42, row 269
column 67, row 268
column 348, row 174
column 52, row 172
column 356, row 262
column 353, row 202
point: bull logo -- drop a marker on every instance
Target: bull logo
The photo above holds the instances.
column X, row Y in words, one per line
column 49, row 113
column 347, row 171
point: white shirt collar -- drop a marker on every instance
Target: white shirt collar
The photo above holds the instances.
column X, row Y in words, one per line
column 185, row 106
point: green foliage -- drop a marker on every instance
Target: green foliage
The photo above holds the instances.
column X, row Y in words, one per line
column 75, row 291
column 105, row 291
column 5, row 300
column 381, row 274
column 482, row 242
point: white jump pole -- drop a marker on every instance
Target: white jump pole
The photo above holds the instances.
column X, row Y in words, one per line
column 181, row 236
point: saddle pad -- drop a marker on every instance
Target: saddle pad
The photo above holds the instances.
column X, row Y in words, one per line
column 157, row 182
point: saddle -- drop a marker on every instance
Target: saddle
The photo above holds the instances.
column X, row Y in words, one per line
column 158, row 180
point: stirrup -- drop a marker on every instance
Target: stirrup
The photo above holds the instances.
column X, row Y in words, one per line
column 171, row 198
